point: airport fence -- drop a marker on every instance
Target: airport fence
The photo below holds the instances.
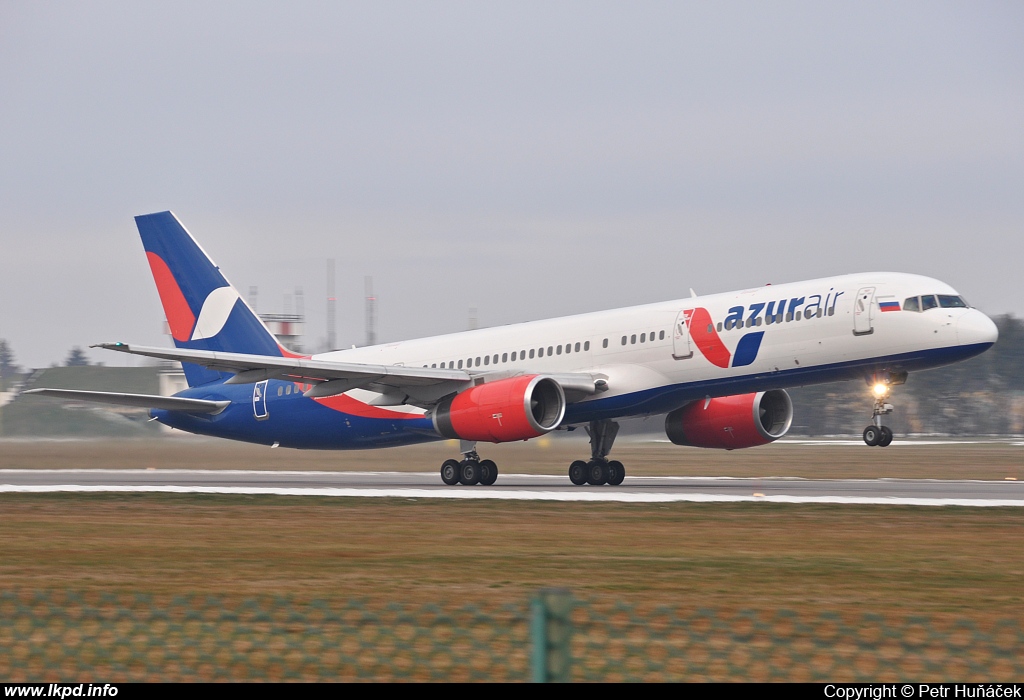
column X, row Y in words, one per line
column 553, row 637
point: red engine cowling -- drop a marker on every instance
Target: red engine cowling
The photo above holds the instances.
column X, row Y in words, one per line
column 517, row 408
column 732, row 422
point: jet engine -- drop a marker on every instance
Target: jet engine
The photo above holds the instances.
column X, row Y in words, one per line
column 517, row 408
column 732, row 422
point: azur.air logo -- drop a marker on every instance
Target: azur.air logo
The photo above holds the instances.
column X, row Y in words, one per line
column 703, row 334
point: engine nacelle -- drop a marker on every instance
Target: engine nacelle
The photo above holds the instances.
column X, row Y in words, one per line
column 732, row 422
column 517, row 408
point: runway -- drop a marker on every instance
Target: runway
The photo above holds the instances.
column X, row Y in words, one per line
column 636, row 489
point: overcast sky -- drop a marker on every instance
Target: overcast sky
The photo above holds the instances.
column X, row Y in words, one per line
column 527, row 159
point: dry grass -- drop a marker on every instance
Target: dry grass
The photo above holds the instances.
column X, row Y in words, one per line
column 811, row 558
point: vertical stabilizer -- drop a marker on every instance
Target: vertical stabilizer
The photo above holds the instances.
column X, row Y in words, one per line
column 204, row 312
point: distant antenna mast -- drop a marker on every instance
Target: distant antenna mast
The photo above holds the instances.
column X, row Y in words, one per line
column 371, row 313
column 331, row 300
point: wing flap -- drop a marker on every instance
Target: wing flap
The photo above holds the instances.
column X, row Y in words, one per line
column 167, row 403
column 397, row 383
column 245, row 367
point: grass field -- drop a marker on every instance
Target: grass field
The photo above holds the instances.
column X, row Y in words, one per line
column 883, row 559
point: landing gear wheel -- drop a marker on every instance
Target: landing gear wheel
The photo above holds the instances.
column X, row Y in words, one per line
column 470, row 474
column 872, row 434
column 450, row 472
column 578, row 472
column 886, row 438
column 597, row 473
column 616, row 473
column 488, row 472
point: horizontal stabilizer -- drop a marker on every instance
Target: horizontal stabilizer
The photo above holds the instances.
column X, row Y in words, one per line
column 167, row 403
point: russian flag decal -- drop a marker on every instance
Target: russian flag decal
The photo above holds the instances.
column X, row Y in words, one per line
column 889, row 305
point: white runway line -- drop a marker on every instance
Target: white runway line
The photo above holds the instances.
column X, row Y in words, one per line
column 484, row 494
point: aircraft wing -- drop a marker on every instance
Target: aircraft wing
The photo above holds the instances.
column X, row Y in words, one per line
column 168, row 403
column 397, row 383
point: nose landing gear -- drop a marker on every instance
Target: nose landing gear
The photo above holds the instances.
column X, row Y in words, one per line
column 877, row 434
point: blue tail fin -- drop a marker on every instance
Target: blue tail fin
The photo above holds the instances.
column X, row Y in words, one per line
column 204, row 312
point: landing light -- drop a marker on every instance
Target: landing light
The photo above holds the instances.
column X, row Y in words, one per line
column 880, row 390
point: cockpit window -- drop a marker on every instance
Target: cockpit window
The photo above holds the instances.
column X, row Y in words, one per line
column 949, row 301
column 911, row 304
column 928, row 302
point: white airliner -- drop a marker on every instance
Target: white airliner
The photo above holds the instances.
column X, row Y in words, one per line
column 716, row 366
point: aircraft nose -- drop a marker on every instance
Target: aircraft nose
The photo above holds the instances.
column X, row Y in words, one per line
column 975, row 328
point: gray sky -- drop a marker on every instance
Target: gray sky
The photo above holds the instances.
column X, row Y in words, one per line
column 527, row 159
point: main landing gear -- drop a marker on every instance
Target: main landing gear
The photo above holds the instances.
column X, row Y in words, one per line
column 877, row 434
column 599, row 470
column 471, row 470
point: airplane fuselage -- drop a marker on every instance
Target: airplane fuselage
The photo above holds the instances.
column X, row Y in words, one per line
column 653, row 358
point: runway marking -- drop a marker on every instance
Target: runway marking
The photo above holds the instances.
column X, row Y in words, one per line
column 518, row 495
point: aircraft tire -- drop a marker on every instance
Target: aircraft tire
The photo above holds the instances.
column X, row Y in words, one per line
column 488, row 472
column 470, row 473
column 886, row 437
column 578, row 473
column 451, row 471
column 872, row 434
column 597, row 473
column 616, row 473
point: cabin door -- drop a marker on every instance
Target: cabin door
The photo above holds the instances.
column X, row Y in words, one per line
column 681, row 348
column 863, row 313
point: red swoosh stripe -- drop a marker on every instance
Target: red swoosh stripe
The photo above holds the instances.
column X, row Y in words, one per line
column 705, row 337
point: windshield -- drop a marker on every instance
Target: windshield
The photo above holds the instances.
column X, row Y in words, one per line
column 935, row 301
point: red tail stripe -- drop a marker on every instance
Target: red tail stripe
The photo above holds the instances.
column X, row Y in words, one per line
column 179, row 316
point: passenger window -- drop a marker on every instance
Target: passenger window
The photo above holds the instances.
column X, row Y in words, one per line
column 757, row 321
column 280, row 391
column 460, row 364
column 928, row 302
column 912, row 304
column 632, row 339
column 586, row 345
column 504, row 357
column 623, row 340
column 559, row 349
column 797, row 315
column 487, row 359
column 948, row 301
column 643, row 337
column 711, row 329
column 661, row 335
column 578, row 346
column 531, row 354
column 604, row 344
column 549, row 350
column 719, row 327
